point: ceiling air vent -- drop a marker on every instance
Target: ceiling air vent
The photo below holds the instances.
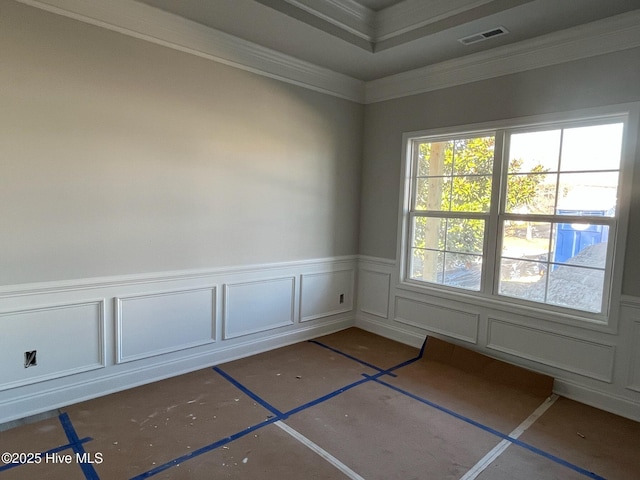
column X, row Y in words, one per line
column 479, row 37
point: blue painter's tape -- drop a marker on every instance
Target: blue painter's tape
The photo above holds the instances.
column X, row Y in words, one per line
column 205, row 449
column 362, row 362
column 489, row 430
column 424, row 345
column 77, row 446
column 59, row 449
column 328, row 396
column 248, row 392
column 367, row 378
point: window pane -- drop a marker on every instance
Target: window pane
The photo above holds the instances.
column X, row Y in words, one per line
column 465, row 235
column 471, row 194
column 463, row 271
column 427, row 265
column 588, row 194
column 595, row 147
column 575, row 287
column 429, row 233
column 532, row 193
column 473, row 156
column 534, row 151
column 522, row 279
column 526, row 240
column 570, row 275
column 580, row 244
column 433, row 193
column 431, row 158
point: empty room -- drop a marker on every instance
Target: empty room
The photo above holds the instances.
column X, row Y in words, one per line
column 324, row 239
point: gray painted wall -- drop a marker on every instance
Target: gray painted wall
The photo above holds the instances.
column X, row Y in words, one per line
column 118, row 156
column 597, row 81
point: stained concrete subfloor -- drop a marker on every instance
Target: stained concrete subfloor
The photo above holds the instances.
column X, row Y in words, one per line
column 351, row 405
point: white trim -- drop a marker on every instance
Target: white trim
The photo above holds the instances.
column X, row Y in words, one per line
column 630, row 300
column 347, row 15
column 410, row 15
column 610, row 348
column 609, row 402
column 58, row 286
column 147, row 23
column 379, row 260
column 393, row 332
column 612, row 34
column 347, row 307
column 384, row 314
column 600, row 323
column 65, row 393
column 633, row 375
column 100, row 347
column 118, row 304
column 156, row 26
column 430, row 327
column 228, row 287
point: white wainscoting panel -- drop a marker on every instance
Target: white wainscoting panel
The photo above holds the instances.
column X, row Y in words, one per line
column 163, row 322
column 67, row 338
column 448, row 321
column 321, row 294
column 634, row 367
column 252, row 307
column 576, row 355
column 373, row 292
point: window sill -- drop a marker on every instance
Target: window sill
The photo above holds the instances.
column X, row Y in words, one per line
column 505, row 304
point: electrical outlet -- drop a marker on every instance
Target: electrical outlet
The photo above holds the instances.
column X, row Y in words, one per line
column 30, row 359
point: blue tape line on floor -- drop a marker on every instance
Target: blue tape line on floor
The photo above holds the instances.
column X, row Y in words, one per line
column 278, row 414
column 326, row 397
column 489, row 429
column 205, row 449
column 43, row 455
column 376, row 378
column 78, row 448
column 362, row 362
column 248, row 392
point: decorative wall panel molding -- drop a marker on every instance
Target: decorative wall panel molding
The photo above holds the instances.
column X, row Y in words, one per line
column 326, row 293
column 157, row 323
column 50, row 334
column 151, row 326
column 373, row 292
column 584, row 357
column 257, row 306
column 454, row 323
column 634, row 366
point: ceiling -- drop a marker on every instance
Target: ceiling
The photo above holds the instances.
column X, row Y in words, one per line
column 372, row 39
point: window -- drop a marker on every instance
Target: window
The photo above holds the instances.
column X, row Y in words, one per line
column 527, row 215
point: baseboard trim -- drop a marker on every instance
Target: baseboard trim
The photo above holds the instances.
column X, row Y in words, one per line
column 609, row 402
column 70, row 393
column 396, row 333
column 601, row 400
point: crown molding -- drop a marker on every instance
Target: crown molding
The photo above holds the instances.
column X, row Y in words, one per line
column 151, row 24
column 411, row 14
column 346, row 14
column 144, row 22
column 612, row 34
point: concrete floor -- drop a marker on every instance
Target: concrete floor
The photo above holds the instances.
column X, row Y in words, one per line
column 349, row 405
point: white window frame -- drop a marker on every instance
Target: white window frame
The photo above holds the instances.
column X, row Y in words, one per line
column 487, row 296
